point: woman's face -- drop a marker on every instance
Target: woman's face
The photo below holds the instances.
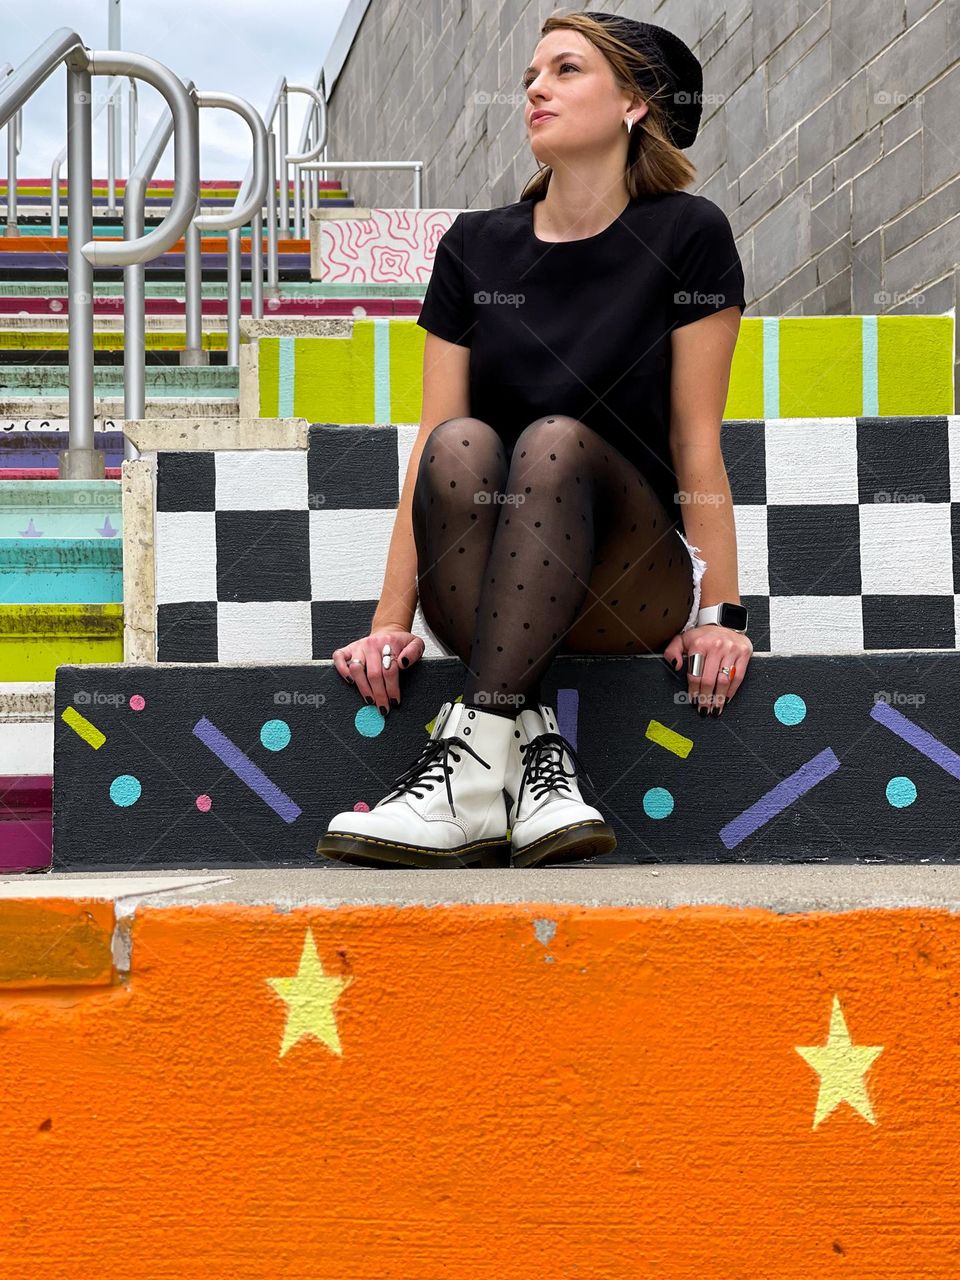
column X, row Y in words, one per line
column 572, row 80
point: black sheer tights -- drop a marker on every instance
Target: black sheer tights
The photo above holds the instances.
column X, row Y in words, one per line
column 557, row 544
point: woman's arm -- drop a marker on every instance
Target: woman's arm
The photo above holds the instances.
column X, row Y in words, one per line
column 702, row 353
column 446, row 394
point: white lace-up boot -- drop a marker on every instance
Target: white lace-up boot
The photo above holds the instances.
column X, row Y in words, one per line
column 549, row 820
column 446, row 810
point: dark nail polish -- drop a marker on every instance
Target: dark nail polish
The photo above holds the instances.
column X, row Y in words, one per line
column 383, row 711
column 369, row 700
column 349, row 680
column 404, row 662
column 395, row 701
column 702, row 711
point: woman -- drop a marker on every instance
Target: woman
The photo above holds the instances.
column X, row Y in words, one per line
column 576, row 366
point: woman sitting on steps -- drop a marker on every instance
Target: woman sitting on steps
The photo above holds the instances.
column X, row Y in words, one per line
column 576, row 367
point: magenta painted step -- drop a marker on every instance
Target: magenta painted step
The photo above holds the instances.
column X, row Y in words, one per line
column 113, row 306
column 26, row 823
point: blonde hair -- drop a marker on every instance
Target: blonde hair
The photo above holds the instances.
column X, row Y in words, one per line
column 654, row 164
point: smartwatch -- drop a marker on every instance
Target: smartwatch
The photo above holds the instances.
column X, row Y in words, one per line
column 733, row 616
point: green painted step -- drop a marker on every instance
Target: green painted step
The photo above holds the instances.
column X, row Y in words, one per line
column 370, row 370
column 35, row 639
column 160, row 380
column 61, row 509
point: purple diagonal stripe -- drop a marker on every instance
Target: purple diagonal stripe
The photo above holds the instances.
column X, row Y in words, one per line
column 248, row 772
column 780, row 797
column 911, row 733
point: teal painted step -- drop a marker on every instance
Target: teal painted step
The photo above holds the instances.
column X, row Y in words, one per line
column 161, row 380
column 60, row 571
column 60, row 509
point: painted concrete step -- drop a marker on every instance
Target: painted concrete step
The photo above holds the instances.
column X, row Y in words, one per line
column 36, row 639
column 22, row 449
column 38, row 509
column 44, row 571
column 789, row 367
column 848, row 535
column 18, row 381
column 816, row 759
column 51, row 410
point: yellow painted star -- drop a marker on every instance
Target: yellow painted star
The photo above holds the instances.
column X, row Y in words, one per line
column 841, row 1066
column 310, row 997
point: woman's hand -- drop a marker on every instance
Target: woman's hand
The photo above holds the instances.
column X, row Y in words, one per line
column 724, row 650
column 378, row 678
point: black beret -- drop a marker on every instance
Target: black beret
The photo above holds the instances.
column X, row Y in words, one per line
column 676, row 78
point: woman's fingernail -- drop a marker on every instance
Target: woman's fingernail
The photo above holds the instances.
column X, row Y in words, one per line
column 383, row 711
column 349, row 680
column 405, row 662
column 395, row 701
column 369, row 700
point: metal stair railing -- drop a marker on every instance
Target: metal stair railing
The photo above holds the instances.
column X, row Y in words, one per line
column 81, row 460
column 14, row 141
column 316, row 117
column 62, row 155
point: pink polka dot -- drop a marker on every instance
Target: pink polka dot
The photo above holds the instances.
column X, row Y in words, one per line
column 204, row 803
column 361, row 807
column 137, row 702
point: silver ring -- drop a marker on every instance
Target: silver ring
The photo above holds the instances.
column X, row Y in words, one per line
column 724, row 671
column 354, row 662
column 696, row 664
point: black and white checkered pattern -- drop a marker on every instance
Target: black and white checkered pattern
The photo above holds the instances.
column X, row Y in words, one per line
column 848, row 538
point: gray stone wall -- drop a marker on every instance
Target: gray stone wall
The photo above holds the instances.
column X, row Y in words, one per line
column 829, row 133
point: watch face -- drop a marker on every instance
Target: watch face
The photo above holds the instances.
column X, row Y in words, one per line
column 733, row 615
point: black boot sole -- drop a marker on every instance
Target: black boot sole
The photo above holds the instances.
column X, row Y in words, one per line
column 568, row 844
column 365, row 852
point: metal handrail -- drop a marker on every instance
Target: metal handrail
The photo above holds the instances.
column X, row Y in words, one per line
column 14, row 142
column 246, row 207
column 62, row 155
column 415, row 165
column 315, row 115
column 134, row 310
column 65, row 46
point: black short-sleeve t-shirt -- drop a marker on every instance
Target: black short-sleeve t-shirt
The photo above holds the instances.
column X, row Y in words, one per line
column 582, row 327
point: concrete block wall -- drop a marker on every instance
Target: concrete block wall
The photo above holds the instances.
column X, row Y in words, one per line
column 827, row 134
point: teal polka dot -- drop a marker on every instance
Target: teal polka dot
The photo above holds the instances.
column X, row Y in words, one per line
column 125, row 790
column 901, row 792
column 369, row 722
column 658, row 803
column 790, row 708
column 275, row 735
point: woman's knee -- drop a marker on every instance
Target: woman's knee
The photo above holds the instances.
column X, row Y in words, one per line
column 556, row 440
column 460, row 447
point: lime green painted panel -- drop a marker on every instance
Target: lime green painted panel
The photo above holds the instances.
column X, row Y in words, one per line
column 36, row 639
column 268, row 359
column 334, row 377
column 913, row 375
column 821, row 366
column 745, row 393
column 406, row 369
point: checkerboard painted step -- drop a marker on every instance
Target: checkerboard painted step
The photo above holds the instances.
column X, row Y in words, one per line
column 822, row 759
column 848, row 534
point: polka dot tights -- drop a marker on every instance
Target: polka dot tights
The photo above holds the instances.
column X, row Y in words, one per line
column 554, row 544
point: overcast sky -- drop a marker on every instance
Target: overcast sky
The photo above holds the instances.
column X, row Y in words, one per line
column 235, row 46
